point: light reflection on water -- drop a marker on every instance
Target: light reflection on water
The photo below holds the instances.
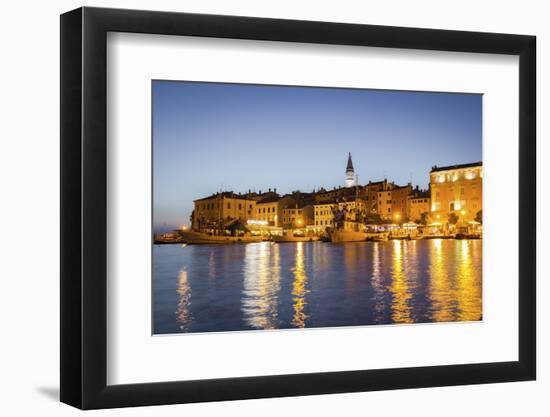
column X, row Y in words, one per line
column 296, row 285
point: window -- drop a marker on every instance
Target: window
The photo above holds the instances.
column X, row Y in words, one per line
column 228, row 205
column 452, row 206
column 240, row 206
column 461, row 190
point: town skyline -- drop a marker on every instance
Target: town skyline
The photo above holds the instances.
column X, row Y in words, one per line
column 194, row 157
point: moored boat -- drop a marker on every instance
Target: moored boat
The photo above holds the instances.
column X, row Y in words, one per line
column 377, row 236
column 462, row 236
column 194, row 238
column 285, row 239
column 337, row 236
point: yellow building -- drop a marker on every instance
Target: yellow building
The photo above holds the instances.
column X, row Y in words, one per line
column 297, row 217
column 212, row 212
column 323, row 215
column 268, row 210
column 456, row 190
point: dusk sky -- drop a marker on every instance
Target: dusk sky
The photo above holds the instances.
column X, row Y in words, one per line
column 209, row 137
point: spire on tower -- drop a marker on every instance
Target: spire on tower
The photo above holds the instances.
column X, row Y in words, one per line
column 349, row 168
column 351, row 179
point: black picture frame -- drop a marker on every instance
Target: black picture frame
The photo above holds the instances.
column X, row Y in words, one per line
column 84, row 207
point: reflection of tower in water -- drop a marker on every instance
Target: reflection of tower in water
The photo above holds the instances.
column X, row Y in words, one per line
column 183, row 314
column 261, row 285
column 299, row 288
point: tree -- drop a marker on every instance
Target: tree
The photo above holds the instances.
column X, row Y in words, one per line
column 373, row 218
column 479, row 216
column 453, row 218
column 423, row 219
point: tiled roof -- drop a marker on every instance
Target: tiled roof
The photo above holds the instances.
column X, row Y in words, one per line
column 450, row 167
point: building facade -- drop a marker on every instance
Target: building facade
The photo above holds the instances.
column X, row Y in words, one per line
column 297, row 217
column 269, row 210
column 370, row 194
column 323, row 215
column 399, row 207
column 418, row 205
column 212, row 212
column 456, row 190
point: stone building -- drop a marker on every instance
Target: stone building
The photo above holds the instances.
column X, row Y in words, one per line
column 418, row 203
column 323, row 214
column 458, row 190
column 213, row 211
column 399, row 196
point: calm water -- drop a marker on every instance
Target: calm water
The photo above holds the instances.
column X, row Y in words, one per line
column 205, row 288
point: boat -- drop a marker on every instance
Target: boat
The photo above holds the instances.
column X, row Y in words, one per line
column 195, row 238
column 438, row 236
column 377, row 236
column 286, row 239
column 338, row 236
column 462, row 236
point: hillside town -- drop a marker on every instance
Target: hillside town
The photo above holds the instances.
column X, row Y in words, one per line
column 450, row 208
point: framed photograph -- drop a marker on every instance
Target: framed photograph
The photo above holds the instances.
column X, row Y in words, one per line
column 256, row 208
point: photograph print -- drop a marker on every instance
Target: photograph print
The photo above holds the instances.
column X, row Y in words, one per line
column 295, row 207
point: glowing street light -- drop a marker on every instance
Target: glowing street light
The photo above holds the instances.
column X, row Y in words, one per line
column 463, row 212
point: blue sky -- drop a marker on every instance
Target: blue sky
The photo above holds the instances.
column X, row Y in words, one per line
column 209, row 137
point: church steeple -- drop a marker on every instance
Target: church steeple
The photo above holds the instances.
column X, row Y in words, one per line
column 350, row 164
column 350, row 173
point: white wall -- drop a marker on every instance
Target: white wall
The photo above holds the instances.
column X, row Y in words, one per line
column 29, row 175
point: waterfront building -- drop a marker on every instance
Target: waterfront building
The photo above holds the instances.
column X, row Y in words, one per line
column 399, row 196
column 297, row 216
column 351, row 179
column 214, row 211
column 370, row 194
column 418, row 203
column 268, row 210
column 458, row 190
column 323, row 216
column 384, row 204
column 353, row 213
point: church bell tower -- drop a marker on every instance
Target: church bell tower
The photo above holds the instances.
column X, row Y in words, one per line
column 350, row 173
